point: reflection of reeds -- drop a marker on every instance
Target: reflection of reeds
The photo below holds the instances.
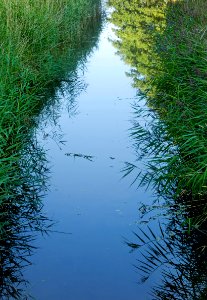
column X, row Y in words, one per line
column 21, row 218
column 177, row 257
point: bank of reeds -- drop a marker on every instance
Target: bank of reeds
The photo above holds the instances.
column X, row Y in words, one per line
column 181, row 92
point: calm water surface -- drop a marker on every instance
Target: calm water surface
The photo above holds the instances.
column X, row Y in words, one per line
column 92, row 204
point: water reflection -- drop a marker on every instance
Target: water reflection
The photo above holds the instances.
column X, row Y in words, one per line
column 61, row 98
column 174, row 252
column 21, row 219
column 136, row 23
column 177, row 249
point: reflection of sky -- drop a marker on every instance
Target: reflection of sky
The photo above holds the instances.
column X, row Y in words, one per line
column 88, row 198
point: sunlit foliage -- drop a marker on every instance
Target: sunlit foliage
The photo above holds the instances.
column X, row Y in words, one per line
column 136, row 24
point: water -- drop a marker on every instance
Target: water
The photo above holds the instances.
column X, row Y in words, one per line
column 94, row 207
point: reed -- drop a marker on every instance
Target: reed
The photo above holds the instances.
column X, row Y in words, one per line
column 180, row 92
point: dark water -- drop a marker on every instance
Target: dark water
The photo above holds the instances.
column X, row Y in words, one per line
column 87, row 196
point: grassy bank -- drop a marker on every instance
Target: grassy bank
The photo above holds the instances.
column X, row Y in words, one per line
column 34, row 37
column 181, row 91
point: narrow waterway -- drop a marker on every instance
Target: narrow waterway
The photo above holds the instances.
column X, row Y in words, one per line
column 94, row 207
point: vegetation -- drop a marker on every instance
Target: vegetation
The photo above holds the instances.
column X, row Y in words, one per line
column 181, row 92
column 42, row 43
column 34, row 38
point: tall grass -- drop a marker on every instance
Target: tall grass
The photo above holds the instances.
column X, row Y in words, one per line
column 180, row 90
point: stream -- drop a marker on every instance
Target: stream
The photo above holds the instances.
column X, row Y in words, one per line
column 92, row 206
column 95, row 209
